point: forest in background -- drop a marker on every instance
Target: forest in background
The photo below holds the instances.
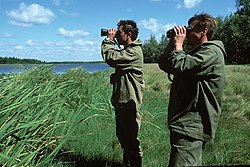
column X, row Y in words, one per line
column 14, row 60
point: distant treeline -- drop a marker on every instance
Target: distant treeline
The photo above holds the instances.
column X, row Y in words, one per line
column 74, row 62
column 14, row 60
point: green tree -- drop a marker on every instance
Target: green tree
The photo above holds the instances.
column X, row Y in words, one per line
column 150, row 50
column 14, row 60
column 234, row 31
column 163, row 43
column 243, row 7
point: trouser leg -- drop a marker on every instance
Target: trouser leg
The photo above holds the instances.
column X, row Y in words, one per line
column 185, row 151
column 126, row 159
column 127, row 128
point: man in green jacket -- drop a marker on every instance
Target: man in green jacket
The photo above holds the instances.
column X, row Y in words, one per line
column 197, row 88
column 128, row 85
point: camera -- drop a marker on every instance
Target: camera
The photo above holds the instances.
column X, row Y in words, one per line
column 104, row 32
column 171, row 33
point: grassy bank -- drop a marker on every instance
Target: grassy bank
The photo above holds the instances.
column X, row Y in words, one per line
column 67, row 120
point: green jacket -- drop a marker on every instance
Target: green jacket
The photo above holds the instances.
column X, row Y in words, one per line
column 197, row 89
column 127, row 81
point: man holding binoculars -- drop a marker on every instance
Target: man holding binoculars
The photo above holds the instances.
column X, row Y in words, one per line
column 128, row 85
column 196, row 90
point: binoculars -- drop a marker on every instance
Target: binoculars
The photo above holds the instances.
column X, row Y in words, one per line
column 104, row 32
column 170, row 33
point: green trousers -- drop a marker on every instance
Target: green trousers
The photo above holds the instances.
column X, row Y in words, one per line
column 128, row 123
column 185, row 151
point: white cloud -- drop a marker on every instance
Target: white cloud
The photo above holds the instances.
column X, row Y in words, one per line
column 62, row 2
column 129, row 10
column 6, row 35
column 178, row 6
column 49, row 43
column 31, row 43
column 27, row 16
column 61, row 43
column 15, row 23
column 73, row 33
column 67, row 48
column 70, row 50
column 191, row 3
column 168, row 26
column 81, row 42
column 72, row 14
column 154, row 25
column 151, row 24
column 18, row 47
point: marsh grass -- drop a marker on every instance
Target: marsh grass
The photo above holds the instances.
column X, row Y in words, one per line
column 36, row 111
column 232, row 146
column 67, row 120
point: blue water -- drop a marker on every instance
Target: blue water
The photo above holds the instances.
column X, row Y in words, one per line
column 57, row 68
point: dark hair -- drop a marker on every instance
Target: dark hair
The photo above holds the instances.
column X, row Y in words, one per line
column 201, row 21
column 129, row 26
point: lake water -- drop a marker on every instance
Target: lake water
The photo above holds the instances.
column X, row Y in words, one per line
column 57, row 68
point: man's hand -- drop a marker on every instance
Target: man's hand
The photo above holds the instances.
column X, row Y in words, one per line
column 180, row 35
column 111, row 33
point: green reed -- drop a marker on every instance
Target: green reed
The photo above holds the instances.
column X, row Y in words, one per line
column 36, row 113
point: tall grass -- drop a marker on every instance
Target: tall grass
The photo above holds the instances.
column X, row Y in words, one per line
column 36, row 113
column 67, row 120
column 232, row 146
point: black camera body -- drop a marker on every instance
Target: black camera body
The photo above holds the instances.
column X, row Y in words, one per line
column 104, row 32
column 171, row 33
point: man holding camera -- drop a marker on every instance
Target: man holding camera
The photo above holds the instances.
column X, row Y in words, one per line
column 128, row 85
column 197, row 88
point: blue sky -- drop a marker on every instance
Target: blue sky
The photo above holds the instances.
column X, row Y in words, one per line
column 69, row 30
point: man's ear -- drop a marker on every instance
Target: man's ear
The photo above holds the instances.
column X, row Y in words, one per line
column 129, row 34
column 204, row 32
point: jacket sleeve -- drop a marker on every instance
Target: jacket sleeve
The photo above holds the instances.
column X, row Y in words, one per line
column 162, row 62
column 180, row 63
column 117, row 58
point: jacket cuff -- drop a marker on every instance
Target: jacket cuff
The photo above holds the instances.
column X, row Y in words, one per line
column 175, row 52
